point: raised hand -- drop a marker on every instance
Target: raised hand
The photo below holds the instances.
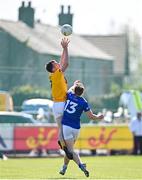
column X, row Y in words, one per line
column 65, row 42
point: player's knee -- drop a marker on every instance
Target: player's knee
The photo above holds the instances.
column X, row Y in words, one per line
column 68, row 153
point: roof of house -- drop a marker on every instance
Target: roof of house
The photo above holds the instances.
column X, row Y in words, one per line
column 114, row 45
column 45, row 39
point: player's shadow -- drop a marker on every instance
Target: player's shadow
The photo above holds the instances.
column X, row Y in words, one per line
column 66, row 178
column 63, row 178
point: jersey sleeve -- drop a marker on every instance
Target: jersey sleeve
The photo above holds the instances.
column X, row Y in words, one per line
column 86, row 107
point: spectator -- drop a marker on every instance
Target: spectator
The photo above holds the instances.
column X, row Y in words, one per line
column 3, row 156
column 136, row 129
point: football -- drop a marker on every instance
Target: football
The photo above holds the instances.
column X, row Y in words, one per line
column 66, row 29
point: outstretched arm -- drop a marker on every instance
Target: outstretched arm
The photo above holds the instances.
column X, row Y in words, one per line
column 71, row 89
column 93, row 116
column 64, row 56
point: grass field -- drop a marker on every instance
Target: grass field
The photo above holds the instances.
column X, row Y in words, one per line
column 100, row 167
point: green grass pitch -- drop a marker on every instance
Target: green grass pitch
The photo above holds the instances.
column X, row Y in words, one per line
column 100, row 167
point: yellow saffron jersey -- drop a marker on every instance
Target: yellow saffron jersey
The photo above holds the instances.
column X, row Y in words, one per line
column 58, row 86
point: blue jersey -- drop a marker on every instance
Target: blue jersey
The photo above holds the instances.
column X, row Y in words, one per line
column 74, row 107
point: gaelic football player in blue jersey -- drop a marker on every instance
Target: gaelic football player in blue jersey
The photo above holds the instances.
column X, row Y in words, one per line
column 75, row 105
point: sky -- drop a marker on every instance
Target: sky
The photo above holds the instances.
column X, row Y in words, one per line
column 90, row 16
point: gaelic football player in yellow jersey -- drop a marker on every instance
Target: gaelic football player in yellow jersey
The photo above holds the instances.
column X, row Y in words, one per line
column 58, row 83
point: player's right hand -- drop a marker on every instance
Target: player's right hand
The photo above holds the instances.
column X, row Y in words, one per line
column 65, row 42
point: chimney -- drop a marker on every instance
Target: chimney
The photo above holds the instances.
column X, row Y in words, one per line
column 65, row 18
column 62, row 9
column 21, row 11
column 69, row 9
column 29, row 4
column 26, row 14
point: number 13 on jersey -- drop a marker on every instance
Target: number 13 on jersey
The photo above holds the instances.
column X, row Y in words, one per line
column 70, row 106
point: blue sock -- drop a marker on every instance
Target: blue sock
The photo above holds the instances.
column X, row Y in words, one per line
column 64, row 166
column 81, row 166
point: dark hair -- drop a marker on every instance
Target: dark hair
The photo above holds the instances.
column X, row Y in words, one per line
column 79, row 89
column 49, row 67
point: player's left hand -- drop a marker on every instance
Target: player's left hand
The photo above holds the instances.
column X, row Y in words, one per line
column 100, row 116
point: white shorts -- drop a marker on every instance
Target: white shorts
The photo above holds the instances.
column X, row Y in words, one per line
column 58, row 109
column 69, row 132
